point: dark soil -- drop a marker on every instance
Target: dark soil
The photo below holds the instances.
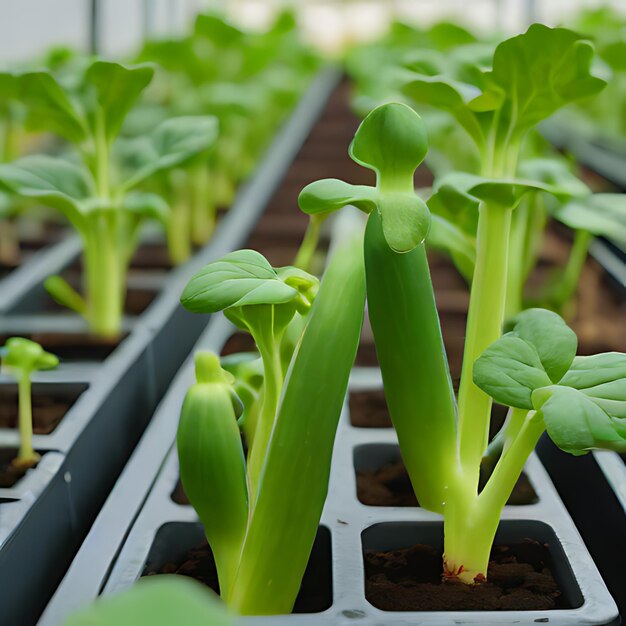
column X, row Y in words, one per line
column 48, row 409
column 198, row 563
column 390, row 486
column 519, row 579
column 9, row 473
column 79, row 346
column 368, row 409
column 238, row 342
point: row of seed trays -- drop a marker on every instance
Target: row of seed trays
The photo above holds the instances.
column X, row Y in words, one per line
column 351, row 440
column 118, row 181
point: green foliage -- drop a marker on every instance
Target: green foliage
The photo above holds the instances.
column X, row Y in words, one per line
column 96, row 192
column 22, row 357
column 261, row 515
column 581, row 399
column 392, row 142
column 158, row 601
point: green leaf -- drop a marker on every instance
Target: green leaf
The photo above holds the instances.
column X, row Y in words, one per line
column 26, row 356
column 173, row 143
column 448, row 95
column 49, row 107
column 509, row 370
column 556, row 174
column 64, row 294
column 112, row 90
column 9, row 87
column 147, row 205
column 52, row 181
column 459, row 191
column 445, row 235
column 554, row 341
column 536, row 73
column 601, row 214
column 602, row 377
column 392, row 141
column 159, row 601
column 405, row 220
column 447, row 35
column 240, row 278
column 217, row 30
column 577, row 424
column 536, row 353
column 331, row 194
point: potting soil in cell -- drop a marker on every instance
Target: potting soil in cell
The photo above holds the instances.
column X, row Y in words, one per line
column 519, row 579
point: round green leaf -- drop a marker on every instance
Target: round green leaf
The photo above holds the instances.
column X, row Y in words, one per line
column 392, row 141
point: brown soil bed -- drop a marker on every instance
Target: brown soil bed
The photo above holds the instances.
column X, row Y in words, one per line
column 198, row 563
column 368, row 409
column 9, row 473
column 48, row 409
column 520, row 578
column 79, row 346
column 390, row 486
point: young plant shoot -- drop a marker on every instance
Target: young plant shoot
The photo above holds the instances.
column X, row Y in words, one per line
column 581, row 402
column 261, row 514
column 499, row 110
column 21, row 357
column 97, row 193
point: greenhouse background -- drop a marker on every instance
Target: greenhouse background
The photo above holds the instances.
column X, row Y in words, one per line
column 122, row 24
column 312, row 312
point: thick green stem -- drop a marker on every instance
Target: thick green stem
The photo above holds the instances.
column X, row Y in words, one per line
column 26, row 456
column 101, row 173
column 484, row 325
column 470, row 521
column 308, row 246
column 105, row 286
column 203, row 210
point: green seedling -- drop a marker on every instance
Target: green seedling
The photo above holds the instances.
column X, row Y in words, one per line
column 21, row 357
column 499, row 110
column 98, row 193
column 261, row 514
column 442, row 441
column 248, row 81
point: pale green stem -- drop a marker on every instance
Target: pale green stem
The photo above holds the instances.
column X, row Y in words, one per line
column 484, row 325
column 515, row 279
column 569, row 281
column 537, row 218
column 470, row 521
column 203, row 209
column 179, row 232
column 269, row 349
column 309, row 243
column 26, row 455
column 104, row 274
